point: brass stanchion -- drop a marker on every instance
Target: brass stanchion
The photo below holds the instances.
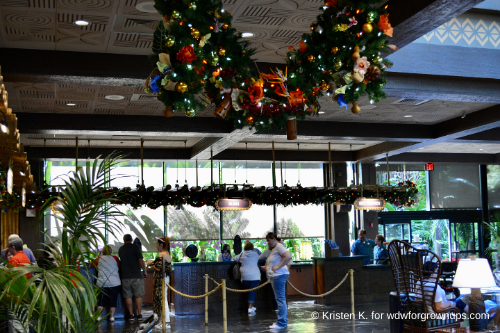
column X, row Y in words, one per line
column 224, row 307
column 206, row 299
column 351, row 273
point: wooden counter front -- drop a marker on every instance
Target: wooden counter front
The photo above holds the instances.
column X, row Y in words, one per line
column 372, row 283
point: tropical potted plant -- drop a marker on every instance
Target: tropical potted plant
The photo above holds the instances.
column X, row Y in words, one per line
column 64, row 300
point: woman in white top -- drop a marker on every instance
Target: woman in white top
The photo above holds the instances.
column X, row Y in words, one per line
column 108, row 279
column 278, row 273
column 250, row 274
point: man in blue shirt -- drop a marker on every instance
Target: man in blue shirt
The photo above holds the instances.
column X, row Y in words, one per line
column 363, row 247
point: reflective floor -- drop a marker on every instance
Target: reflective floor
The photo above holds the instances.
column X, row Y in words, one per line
column 301, row 318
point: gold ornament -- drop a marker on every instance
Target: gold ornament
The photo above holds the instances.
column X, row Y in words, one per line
column 190, row 113
column 170, row 41
column 338, row 64
column 324, row 86
column 192, row 6
column 355, row 56
column 335, row 50
column 168, row 112
column 310, row 58
column 337, row 27
column 367, row 28
column 176, row 15
column 377, row 60
column 181, row 87
column 355, row 108
column 215, row 61
column 222, row 52
column 225, row 26
column 195, row 33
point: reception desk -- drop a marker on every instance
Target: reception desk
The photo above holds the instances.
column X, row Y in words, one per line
column 190, row 279
column 372, row 283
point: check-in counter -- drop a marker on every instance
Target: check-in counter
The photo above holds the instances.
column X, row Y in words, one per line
column 190, row 279
column 372, row 283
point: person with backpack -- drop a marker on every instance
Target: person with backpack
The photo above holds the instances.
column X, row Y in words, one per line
column 250, row 273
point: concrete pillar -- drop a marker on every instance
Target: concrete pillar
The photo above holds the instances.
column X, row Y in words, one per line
column 341, row 220
column 369, row 219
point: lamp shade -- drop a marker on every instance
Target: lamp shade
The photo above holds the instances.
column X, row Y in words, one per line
column 474, row 274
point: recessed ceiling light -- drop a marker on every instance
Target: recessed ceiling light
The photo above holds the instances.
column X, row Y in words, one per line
column 247, row 34
column 321, row 112
column 480, row 148
column 115, row 97
column 82, row 23
column 408, row 116
column 421, row 148
column 71, row 104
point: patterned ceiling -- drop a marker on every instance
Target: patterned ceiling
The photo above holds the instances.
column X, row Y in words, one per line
column 53, row 98
column 127, row 26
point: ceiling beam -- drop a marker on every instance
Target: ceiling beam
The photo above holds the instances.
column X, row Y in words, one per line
column 448, row 158
column 446, row 131
column 207, row 147
column 88, row 124
column 443, row 88
column 413, row 19
column 40, row 153
column 93, row 124
column 311, row 156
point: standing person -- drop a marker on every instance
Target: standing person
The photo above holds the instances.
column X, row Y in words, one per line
column 380, row 251
column 163, row 247
column 250, row 274
column 108, row 279
column 278, row 273
column 26, row 250
column 132, row 262
column 225, row 254
column 363, row 247
column 259, row 252
column 18, row 256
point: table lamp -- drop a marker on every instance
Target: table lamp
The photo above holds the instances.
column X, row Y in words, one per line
column 475, row 274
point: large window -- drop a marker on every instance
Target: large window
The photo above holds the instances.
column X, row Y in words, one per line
column 303, row 220
column 258, row 220
column 455, row 186
column 144, row 223
column 400, row 173
column 184, row 223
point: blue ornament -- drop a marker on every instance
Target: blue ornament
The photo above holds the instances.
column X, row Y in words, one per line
column 342, row 101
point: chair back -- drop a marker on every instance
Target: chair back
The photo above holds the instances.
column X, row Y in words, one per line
column 416, row 281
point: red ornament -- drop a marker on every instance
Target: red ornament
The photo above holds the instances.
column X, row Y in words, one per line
column 186, row 54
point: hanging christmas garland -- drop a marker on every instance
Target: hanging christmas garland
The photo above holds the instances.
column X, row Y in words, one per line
column 402, row 195
column 200, row 59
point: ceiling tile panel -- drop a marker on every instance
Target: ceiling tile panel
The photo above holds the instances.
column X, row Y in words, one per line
column 93, row 6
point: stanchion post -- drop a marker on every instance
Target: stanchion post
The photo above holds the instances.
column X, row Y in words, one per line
column 206, row 299
column 351, row 273
column 224, row 308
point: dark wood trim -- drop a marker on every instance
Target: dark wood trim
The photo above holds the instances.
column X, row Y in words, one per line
column 83, row 124
column 413, row 19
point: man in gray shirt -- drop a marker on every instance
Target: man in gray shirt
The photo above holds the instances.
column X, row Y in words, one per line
column 132, row 262
column 26, row 251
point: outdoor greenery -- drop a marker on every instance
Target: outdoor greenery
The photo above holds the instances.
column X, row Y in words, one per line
column 417, row 177
column 300, row 248
column 65, row 300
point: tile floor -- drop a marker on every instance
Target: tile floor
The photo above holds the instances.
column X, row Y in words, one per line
column 300, row 319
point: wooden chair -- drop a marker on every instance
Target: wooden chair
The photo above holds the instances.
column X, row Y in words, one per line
column 416, row 284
